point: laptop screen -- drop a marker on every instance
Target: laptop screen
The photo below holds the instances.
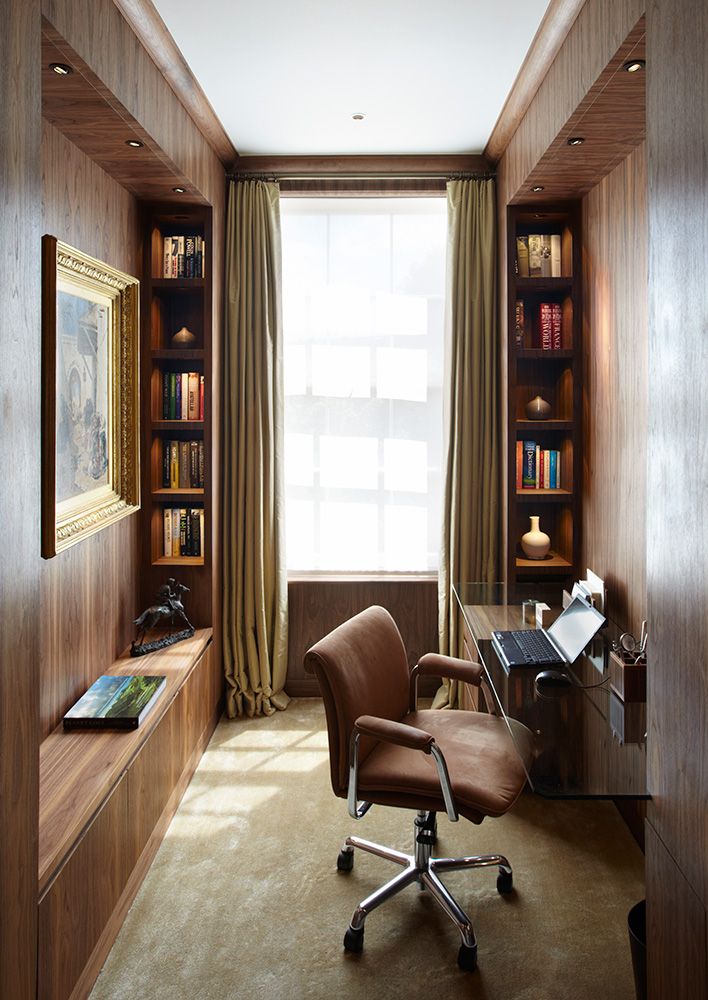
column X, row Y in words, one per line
column 574, row 629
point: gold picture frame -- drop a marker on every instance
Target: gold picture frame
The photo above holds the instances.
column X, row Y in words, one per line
column 90, row 396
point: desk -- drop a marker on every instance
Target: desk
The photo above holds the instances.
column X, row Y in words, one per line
column 588, row 742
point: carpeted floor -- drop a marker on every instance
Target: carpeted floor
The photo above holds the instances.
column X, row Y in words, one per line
column 244, row 901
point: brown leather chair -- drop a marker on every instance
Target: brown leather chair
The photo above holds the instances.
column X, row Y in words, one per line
column 383, row 751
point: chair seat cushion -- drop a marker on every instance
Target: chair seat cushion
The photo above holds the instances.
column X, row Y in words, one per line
column 484, row 763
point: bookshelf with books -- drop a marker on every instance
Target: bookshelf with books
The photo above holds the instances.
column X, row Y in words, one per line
column 177, row 367
column 544, row 403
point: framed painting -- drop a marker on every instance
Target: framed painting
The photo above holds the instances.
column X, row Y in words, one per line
column 90, row 405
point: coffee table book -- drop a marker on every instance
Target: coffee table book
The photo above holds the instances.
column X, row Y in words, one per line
column 115, row 702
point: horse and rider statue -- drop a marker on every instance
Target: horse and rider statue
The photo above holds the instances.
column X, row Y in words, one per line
column 169, row 610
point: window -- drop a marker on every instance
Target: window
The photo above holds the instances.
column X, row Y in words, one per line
column 363, row 303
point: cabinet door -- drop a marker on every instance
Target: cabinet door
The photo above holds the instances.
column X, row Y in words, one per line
column 78, row 904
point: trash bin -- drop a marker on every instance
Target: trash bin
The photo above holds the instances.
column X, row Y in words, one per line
column 637, row 926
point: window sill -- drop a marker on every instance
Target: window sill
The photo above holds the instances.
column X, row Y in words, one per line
column 331, row 577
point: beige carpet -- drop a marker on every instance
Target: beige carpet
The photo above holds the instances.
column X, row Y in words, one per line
column 244, row 901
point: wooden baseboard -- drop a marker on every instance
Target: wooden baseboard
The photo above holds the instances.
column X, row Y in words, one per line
column 104, row 944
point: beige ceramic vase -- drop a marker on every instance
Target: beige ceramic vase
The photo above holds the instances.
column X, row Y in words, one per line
column 535, row 542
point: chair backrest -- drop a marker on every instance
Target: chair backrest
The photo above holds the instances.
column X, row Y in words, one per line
column 362, row 669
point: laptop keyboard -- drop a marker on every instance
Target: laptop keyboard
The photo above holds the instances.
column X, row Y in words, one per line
column 535, row 646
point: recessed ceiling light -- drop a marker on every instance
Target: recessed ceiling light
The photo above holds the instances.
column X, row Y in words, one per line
column 135, row 143
column 358, row 117
column 179, row 190
column 576, row 140
column 537, row 187
column 634, row 65
column 61, row 69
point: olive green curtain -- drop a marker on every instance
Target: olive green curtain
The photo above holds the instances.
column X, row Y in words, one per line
column 470, row 546
column 255, row 637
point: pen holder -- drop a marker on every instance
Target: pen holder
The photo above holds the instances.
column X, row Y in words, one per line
column 627, row 678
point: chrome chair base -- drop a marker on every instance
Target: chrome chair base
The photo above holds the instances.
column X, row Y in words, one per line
column 424, row 869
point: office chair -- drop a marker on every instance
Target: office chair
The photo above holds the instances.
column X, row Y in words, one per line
column 383, row 751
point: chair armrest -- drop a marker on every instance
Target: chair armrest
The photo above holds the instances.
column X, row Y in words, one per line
column 449, row 666
column 394, row 732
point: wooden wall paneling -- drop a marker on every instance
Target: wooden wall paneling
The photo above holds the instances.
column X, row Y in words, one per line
column 615, row 344
column 677, row 445
column 72, row 914
column 552, row 32
column 677, row 928
column 315, row 607
column 20, row 350
column 154, row 35
column 100, row 36
column 89, row 593
column 377, row 166
column 595, row 37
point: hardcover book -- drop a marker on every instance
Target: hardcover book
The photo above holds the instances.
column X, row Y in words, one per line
column 115, row 702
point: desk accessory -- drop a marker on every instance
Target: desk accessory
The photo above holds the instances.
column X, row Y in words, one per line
column 628, row 675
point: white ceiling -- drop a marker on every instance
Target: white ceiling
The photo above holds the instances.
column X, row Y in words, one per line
column 285, row 76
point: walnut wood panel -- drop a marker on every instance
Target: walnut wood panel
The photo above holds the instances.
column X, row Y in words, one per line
column 72, row 916
column 677, row 530
column 20, row 350
column 677, row 928
column 97, row 33
column 376, row 166
column 79, row 769
column 552, row 32
column 595, row 37
column 615, row 389
column 152, row 32
column 88, row 593
column 315, row 607
column 612, row 120
column 85, row 111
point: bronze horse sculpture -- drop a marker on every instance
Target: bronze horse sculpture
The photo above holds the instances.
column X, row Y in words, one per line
column 169, row 607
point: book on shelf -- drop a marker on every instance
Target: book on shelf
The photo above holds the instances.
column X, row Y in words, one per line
column 537, row 468
column 183, row 257
column 539, row 255
column 182, row 396
column 519, row 323
column 550, row 326
column 183, row 465
column 183, row 529
column 115, row 702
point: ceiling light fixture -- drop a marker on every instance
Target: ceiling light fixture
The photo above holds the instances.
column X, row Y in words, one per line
column 537, row 187
column 179, row 190
column 358, row 117
column 61, row 69
column 634, row 65
column 576, row 140
column 135, row 143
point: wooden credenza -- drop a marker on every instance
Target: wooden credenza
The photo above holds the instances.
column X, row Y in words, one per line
column 105, row 801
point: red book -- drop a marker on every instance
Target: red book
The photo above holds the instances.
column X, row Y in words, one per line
column 201, row 397
column 556, row 325
column 545, row 325
column 519, row 463
column 541, row 470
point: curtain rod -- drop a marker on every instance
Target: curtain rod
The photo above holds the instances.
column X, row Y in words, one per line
column 274, row 178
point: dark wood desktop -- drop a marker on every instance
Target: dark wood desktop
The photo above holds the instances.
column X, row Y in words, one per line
column 589, row 743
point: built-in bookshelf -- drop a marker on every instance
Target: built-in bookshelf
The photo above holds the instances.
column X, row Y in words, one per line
column 176, row 381
column 544, row 358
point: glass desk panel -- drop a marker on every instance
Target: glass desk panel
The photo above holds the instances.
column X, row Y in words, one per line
column 588, row 743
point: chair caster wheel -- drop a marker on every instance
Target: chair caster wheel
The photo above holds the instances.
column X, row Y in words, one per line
column 467, row 957
column 345, row 861
column 354, row 940
column 505, row 883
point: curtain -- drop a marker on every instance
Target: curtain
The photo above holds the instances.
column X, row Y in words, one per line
column 255, row 637
column 470, row 546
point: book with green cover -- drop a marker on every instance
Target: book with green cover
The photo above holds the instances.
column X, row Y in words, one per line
column 115, row 702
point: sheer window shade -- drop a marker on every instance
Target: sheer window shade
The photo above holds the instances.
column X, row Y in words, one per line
column 363, row 291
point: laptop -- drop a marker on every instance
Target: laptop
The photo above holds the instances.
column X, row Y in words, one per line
column 560, row 644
